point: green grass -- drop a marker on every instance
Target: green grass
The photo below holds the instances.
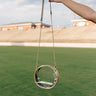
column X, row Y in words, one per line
column 76, row 66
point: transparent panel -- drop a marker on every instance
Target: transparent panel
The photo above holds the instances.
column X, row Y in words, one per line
column 45, row 77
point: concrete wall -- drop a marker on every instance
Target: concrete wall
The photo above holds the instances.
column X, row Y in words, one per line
column 78, row 45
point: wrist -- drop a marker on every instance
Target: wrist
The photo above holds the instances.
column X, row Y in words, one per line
column 66, row 2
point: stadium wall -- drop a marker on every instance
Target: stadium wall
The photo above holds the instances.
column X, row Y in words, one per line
column 78, row 45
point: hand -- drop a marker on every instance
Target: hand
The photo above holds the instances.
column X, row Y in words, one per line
column 57, row 1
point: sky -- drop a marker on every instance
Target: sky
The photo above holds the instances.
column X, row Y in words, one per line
column 13, row 11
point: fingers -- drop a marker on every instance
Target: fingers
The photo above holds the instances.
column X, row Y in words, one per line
column 51, row 1
column 58, row 1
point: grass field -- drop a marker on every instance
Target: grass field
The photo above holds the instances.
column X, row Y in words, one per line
column 76, row 66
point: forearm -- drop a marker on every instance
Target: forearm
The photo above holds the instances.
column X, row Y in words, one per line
column 81, row 10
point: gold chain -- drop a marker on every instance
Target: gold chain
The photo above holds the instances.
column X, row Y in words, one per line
column 41, row 32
